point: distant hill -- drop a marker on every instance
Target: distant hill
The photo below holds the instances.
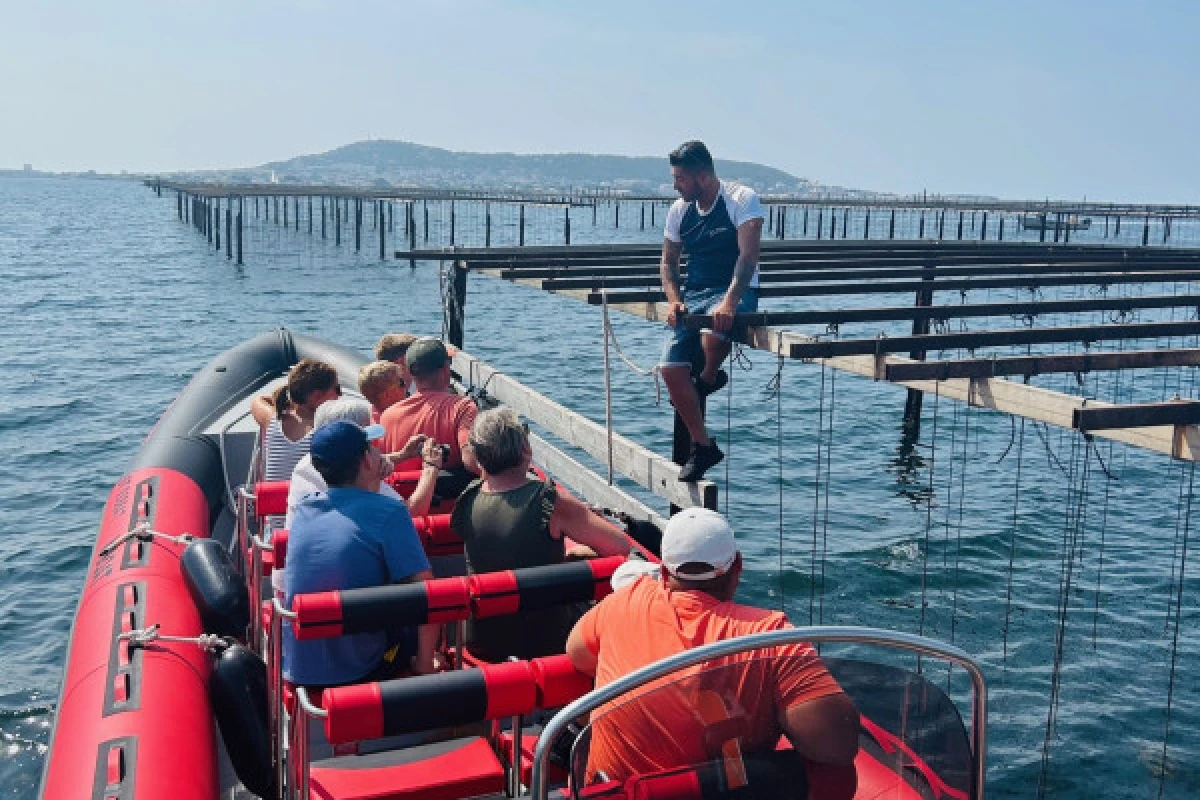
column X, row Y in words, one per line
column 385, row 163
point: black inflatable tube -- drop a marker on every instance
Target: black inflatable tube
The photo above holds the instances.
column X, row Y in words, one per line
column 178, row 441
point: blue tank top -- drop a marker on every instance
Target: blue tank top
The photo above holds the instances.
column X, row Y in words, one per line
column 710, row 241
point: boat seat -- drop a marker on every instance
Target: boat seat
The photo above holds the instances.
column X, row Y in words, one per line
column 451, row 770
column 337, row 613
column 510, row 591
column 270, row 498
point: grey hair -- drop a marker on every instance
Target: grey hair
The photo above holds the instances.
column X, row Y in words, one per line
column 499, row 439
column 346, row 407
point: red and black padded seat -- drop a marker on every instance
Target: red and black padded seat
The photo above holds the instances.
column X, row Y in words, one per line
column 321, row 615
column 460, row 768
column 532, row 588
column 270, row 497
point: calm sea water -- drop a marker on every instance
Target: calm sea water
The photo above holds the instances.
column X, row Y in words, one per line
column 109, row 305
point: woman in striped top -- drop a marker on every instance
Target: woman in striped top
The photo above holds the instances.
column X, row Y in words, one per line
column 286, row 419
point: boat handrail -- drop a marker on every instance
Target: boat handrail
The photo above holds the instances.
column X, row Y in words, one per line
column 812, row 635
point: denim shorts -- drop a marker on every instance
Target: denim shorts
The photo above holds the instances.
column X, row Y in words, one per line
column 682, row 347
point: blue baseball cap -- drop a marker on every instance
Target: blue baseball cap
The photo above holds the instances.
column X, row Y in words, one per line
column 339, row 444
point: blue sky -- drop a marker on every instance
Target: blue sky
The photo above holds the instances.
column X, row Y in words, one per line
column 1018, row 99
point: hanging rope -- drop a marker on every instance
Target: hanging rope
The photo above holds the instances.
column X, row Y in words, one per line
column 775, row 387
column 812, row 567
column 1179, row 525
column 611, row 336
column 962, row 493
column 1072, row 535
column 937, row 393
column 1012, row 541
column 1187, row 517
column 825, row 523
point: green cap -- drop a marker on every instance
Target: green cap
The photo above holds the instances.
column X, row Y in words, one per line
column 425, row 356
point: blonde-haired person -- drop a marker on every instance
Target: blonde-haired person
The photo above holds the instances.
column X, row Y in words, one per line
column 383, row 384
column 394, row 347
column 509, row 520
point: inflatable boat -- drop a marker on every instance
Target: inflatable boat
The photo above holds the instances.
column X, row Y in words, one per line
column 173, row 688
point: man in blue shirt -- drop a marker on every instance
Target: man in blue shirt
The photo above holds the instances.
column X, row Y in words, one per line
column 352, row 537
column 719, row 225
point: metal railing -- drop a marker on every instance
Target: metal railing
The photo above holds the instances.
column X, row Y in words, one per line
column 813, row 635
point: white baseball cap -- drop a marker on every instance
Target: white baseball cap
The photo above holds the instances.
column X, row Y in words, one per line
column 698, row 536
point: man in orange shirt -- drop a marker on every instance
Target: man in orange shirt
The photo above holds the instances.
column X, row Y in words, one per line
column 433, row 410
column 724, row 708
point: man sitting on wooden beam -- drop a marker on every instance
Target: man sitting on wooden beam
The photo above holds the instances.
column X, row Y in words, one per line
column 719, row 225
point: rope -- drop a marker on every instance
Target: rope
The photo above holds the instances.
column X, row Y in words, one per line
column 962, row 493
column 1162, row 772
column 825, row 523
column 1012, row 542
column 777, row 382
column 937, row 393
column 812, row 565
column 611, row 335
column 143, row 533
column 140, row 637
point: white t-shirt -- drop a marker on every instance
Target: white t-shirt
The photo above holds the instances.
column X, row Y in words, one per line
column 741, row 203
column 306, row 480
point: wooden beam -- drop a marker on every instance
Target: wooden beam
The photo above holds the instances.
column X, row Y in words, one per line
column 1042, row 365
column 641, row 465
column 587, row 484
column 992, row 338
column 1137, row 415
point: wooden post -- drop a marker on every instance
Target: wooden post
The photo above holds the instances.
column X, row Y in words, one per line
column 425, row 206
column 411, row 228
column 521, row 240
column 941, row 225
column 456, row 313
column 643, row 227
column 1067, row 230
column 1045, row 224
column 983, row 228
column 567, row 225
column 782, row 222
column 820, row 222
column 594, row 204
column 804, row 228
column 832, row 224
column 323, row 200
column 1117, row 228
column 892, row 225
column 915, row 398
column 845, row 221
column 296, row 212
column 256, row 207
column 310, row 215
column 382, row 232
column 358, row 218
column 867, row 225
column 1106, row 226
column 276, row 198
column 960, row 225
column 239, row 236
column 179, row 204
column 229, row 231
column 208, row 219
column 652, row 205
column 451, row 223
column 1166, row 229
column 217, row 219
column 1001, row 228
column 391, row 212
column 921, row 229
column 1146, row 232
column 337, row 221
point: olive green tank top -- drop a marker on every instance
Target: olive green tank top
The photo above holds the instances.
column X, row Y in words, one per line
column 511, row 530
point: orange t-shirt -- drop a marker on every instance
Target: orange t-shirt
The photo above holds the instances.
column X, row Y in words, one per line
column 440, row 415
column 672, row 722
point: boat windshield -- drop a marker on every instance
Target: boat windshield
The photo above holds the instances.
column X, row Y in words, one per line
column 717, row 729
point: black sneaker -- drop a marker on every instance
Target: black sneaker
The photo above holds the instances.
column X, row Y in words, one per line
column 704, row 389
column 700, row 461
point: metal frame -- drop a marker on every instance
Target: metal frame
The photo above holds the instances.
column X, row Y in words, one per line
column 873, row 636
